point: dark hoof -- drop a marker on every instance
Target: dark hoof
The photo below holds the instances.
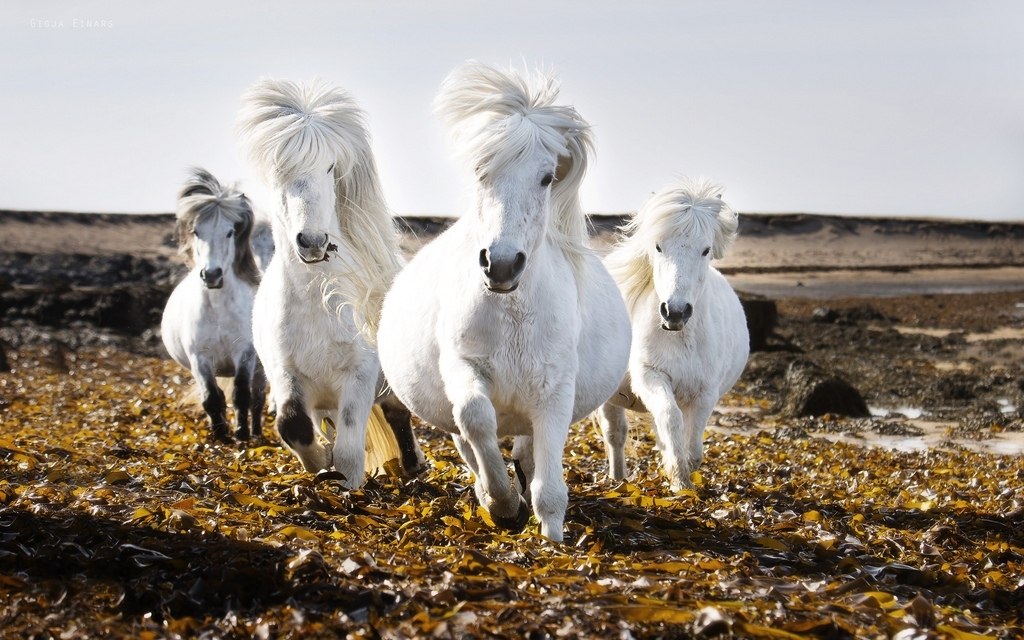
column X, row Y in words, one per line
column 328, row 475
column 221, row 436
column 413, row 469
column 241, row 435
column 516, row 524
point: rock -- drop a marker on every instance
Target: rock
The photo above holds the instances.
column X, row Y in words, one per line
column 762, row 316
column 810, row 391
column 824, row 315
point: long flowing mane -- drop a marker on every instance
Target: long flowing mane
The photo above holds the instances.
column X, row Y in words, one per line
column 498, row 117
column 289, row 129
column 202, row 197
column 690, row 207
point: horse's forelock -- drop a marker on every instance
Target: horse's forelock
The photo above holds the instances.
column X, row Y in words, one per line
column 290, row 129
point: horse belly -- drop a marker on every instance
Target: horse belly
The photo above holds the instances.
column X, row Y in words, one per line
column 604, row 342
column 407, row 343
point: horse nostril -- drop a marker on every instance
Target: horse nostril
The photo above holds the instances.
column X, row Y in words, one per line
column 299, row 238
column 518, row 264
column 202, row 274
column 664, row 311
column 687, row 311
column 485, row 260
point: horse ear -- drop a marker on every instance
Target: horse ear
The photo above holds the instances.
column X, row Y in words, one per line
column 563, row 168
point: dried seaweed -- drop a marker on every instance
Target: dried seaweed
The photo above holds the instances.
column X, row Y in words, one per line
column 117, row 518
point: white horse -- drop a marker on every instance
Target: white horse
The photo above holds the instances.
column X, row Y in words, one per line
column 336, row 253
column 505, row 324
column 690, row 340
column 207, row 323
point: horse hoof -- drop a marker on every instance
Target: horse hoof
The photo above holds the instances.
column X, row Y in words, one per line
column 222, row 436
column 241, row 436
column 517, row 523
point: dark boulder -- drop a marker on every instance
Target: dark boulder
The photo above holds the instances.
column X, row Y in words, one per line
column 810, row 391
column 762, row 316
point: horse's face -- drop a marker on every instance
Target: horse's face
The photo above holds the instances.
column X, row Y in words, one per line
column 307, row 214
column 680, row 265
column 513, row 207
column 213, row 249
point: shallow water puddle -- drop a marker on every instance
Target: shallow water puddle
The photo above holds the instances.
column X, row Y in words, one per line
column 1002, row 333
column 920, row 435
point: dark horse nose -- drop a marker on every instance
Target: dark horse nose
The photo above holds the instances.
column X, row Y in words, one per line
column 502, row 271
column 673, row 319
column 212, row 277
column 305, row 241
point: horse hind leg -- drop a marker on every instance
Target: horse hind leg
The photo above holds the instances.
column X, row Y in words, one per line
column 400, row 419
column 214, row 402
column 242, row 399
column 259, row 397
column 615, row 429
column 522, row 462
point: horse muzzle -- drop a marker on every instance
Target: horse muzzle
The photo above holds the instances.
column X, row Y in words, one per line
column 502, row 273
column 212, row 278
column 675, row 318
column 312, row 248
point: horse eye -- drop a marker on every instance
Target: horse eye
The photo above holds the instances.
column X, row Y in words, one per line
column 231, row 233
column 706, row 251
column 657, row 248
column 331, row 168
column 546, row 180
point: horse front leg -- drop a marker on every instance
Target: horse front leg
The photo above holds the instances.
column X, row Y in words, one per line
column 615, row 429
column 695, row 420
column 655, row 390
column 294, row 424
column 214, row 403
column 357, row 396
column 478, row 427
column 550, row 430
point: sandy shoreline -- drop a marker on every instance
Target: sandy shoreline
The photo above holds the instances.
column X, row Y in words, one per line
column 785, row 255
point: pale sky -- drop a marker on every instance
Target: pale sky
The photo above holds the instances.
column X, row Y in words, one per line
column 894, row 107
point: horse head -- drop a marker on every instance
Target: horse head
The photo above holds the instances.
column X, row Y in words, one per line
column 520, row 145
column 684, row 228
column 213, row 227
column 308, row 141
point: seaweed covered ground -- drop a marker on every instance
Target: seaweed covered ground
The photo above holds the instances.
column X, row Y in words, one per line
column 119, row 519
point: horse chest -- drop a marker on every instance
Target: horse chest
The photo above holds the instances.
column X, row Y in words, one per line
column 521, row 351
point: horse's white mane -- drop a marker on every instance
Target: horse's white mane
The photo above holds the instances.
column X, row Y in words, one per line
column 290, row 129
column 692, row 206
column 202, row 196
column 498, row 117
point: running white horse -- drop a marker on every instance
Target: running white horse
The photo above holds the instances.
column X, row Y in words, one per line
column 337, row 251
column 505, row 324
column 690, row 340
column 207, row 323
